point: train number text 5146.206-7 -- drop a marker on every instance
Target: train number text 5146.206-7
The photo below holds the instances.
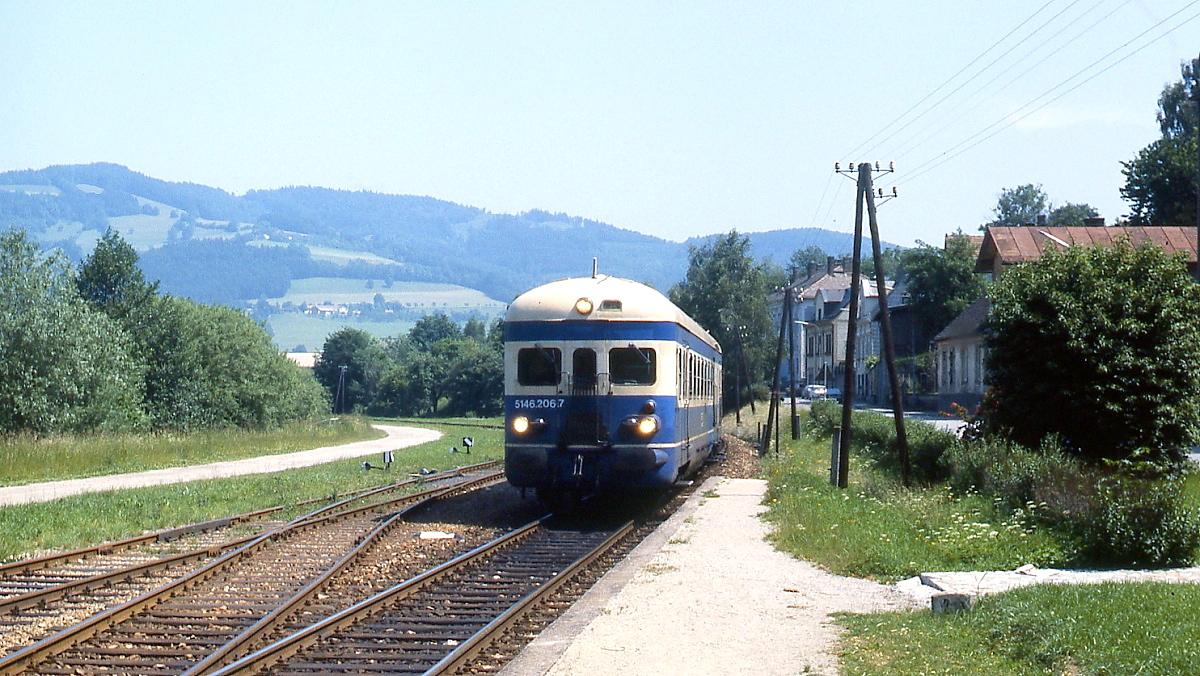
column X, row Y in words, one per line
column 522, row 404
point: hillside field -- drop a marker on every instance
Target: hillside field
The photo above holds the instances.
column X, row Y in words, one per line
column 290, row 329
column 320, row 290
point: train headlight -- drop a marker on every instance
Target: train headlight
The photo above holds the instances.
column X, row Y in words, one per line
column 640, row 427
column 647, row 427
column 584, row 306
column 520, row 424
column 523, row 426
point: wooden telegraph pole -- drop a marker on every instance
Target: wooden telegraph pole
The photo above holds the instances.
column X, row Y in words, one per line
column 866, row 197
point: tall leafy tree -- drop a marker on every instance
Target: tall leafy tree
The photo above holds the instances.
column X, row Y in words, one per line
column 1020, row 205
column 726, row 292
column 433, row 328
column 1100, row 348
column 350, row 366
column 802, row 258
column 1070, row 214
column 1161, row 181
column 110, row 280
column 63, row 366
column 941, row 282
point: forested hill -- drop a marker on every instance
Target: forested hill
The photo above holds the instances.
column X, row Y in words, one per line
column 212, row 246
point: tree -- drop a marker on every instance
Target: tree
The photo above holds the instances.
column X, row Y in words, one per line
column 1161, row 181
column 801, row 258
column 351, row 365
column 941, row 282
column 212, row 366
column 1099, row 348
column 726, row 292
column 431, row 329
column 475, row 329
column 1069, row 215
column 110, row 280
column 1024, row 204
column 1020, row 205
column 64, row 367
column 474, row 382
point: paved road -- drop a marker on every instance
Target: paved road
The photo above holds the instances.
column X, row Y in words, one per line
column 397, row 437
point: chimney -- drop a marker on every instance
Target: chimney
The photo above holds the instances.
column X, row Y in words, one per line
column 829, row 265
column 1097, row 222
column 813, row 266
column 1041, row 220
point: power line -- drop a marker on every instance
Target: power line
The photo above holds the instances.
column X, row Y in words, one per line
column 1016, row 115
column 911, row 143
column 947, row 82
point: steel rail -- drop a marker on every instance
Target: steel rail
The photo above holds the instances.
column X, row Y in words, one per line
column 285, row 648
column 101, row 580
column 166, row 535
column 238, row 645
column 19, row 661
column 469, row 649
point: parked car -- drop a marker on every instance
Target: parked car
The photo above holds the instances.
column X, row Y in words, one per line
column 833, row 393
column 813, row 392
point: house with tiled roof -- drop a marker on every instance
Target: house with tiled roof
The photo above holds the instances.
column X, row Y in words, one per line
column 821, row 312
column 1004, row 246
column 960, row 349
column 959, row 353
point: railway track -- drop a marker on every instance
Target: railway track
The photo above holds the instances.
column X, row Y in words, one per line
column 49, row 593
column 440, row 620
column 344, row 589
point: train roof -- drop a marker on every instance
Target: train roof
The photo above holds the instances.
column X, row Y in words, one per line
column 634, row 302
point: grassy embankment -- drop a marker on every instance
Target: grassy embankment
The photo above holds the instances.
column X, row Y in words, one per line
column 83, row 520
column 878, row 529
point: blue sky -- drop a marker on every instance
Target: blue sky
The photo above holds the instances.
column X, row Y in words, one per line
column 675, row 119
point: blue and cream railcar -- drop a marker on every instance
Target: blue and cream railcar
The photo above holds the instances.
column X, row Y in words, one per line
column 607, row 385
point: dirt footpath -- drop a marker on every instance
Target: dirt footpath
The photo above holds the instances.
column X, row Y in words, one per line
column 707, row 594
column 397, row 438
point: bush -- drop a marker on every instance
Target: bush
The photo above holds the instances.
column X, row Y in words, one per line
column 874, row 435
column 1113, row 519
column 1139, row 522
column 1101, row 348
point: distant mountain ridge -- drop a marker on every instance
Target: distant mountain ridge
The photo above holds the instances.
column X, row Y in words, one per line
column 210, row 245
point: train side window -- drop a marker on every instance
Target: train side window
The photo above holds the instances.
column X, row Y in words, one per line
column 538, row 366
column 632, row 365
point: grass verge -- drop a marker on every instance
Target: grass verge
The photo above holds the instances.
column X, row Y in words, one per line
column 24, row 459
column 1142, row 628
column 83, row 520
column 880, row 530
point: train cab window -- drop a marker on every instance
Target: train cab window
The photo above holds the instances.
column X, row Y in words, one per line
column 632, row 365
column 539, row 366
column 583, row 368
column 610, row 305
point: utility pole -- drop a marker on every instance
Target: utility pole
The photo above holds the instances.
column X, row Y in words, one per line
column 790, row 298
column 785, row 317
column 1196, row 101
column 889, row 349
column 866, row 197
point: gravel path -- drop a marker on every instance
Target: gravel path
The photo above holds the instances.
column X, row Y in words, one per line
column 707, row 594
column 397, row 438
